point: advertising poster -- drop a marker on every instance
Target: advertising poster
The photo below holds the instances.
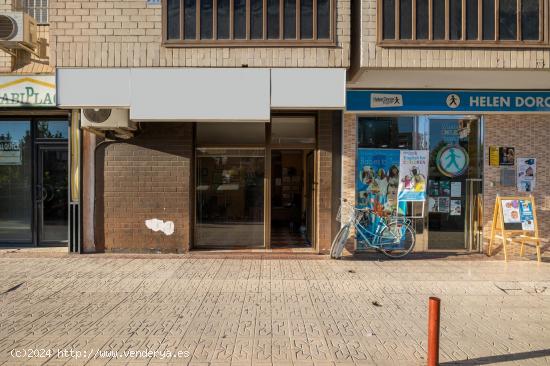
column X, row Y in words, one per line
column 526, row 215
column 456, row 207
column 433, row 204
column 377, row 183
column 445, row 188
column 434, row 188
column 444, row 204
column 502, row 156
column 518, row 215
column 510, row 212
column 494, row 156
column 412, row 175
column 526, row 174
column 507, row 155
column 456, row 189
column 378, row 179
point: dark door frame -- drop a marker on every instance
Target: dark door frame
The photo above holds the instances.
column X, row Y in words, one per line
column 33, row 117
column 268, row 181
column 37, row 204
column 311, row 150
column 469, row 246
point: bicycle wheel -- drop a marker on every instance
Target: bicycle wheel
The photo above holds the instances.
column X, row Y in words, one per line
column 397, row 239
column 339, row 242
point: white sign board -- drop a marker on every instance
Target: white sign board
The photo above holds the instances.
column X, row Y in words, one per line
column 10, row 153
column 27, row 91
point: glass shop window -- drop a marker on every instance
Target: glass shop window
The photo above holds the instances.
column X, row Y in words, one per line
column 385, row 132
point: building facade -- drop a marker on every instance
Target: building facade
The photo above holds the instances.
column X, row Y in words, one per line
column 228, row 116
column 470, row 76
column 240, row 124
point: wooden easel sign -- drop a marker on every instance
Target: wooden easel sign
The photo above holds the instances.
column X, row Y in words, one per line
column 515, row 221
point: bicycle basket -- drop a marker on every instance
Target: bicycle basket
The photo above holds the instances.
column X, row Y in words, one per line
column 346, row 213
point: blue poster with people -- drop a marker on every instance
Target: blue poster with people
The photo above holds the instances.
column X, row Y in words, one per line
column 378, row 179
column 377, row 183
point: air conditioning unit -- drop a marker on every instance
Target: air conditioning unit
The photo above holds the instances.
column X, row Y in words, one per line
column 103, row 120
column 17, row 30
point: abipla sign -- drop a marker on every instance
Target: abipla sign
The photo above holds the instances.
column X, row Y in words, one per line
column 27, row 91
column 449, row 101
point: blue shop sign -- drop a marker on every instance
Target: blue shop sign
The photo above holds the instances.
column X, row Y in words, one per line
column 447, row 101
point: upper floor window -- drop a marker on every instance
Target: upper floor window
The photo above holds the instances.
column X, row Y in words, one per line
column 248, row 22
column 469, row 22
column 38, row 9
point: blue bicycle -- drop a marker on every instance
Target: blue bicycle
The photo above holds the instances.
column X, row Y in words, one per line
column 394, row 236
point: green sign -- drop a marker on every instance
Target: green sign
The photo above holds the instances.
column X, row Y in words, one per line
column 452, row 161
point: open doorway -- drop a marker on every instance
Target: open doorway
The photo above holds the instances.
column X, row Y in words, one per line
column 292, row 198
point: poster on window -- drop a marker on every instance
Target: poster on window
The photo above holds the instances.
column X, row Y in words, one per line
column 526, row 174
column 456, row 189
column 444, row 204
column 378, row 179
column 445, row 188
column 433, row 188
column 433, row 204
column 413, row 170
column 456, row 207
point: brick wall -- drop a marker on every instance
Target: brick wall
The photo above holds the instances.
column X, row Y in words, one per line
column 530, row 135
column 349, row 162
column 327, row 195
column 145, row 178
column 472, row 58
column 349, row 152
column 127, row 33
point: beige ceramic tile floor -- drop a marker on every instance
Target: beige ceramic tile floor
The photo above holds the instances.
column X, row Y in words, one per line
column 269, row 311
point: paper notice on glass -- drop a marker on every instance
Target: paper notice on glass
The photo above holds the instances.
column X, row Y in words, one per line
column 433, row 204
column 444, row 204
column 456, row 189
column 445, row 188
column 456, row 207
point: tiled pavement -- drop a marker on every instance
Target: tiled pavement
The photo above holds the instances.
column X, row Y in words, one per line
column 270, row 311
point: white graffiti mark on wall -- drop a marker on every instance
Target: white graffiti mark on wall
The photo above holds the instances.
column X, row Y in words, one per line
column 158, row 225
